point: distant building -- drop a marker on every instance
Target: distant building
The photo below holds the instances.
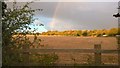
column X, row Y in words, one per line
column 117, row 35
column 105, row 35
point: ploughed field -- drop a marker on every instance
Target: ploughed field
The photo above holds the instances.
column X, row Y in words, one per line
column 70, row 42
column 77, row 42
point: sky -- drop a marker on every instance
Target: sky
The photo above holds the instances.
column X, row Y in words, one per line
column 74, row 15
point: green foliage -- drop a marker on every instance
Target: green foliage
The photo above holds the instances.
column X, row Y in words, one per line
column 16, row 20
column 35, row 59
column 15, row 27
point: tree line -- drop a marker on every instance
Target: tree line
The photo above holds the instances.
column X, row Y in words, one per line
column 95, row 33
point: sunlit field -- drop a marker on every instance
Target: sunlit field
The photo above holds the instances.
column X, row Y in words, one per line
column 77, row 42
column 71, row 42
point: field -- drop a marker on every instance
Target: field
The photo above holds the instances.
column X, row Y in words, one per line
column 70, row 42
column 77, row 42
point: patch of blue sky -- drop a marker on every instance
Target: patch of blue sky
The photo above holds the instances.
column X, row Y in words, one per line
column 41, row 20
column 38, row 29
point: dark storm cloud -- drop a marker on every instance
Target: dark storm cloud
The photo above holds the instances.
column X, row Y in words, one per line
column 78, row 15
column 90, row 15
column 48, row 8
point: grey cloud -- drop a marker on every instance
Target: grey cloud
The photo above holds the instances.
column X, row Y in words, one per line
column 79, row 15
column 89, row 15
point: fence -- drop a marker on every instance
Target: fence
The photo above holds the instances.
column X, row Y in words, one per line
column 97, row 52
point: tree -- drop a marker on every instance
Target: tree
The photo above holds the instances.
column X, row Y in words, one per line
column 84, row 33
column 15, row 20
column 113, row 32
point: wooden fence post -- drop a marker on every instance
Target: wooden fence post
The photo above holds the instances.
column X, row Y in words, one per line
column 119, row 54
column 118, row 39
column 97, row 54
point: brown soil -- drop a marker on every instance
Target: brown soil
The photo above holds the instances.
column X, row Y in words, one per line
column 78, row 42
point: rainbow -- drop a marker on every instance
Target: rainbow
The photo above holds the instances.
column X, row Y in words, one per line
column 52, row 23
